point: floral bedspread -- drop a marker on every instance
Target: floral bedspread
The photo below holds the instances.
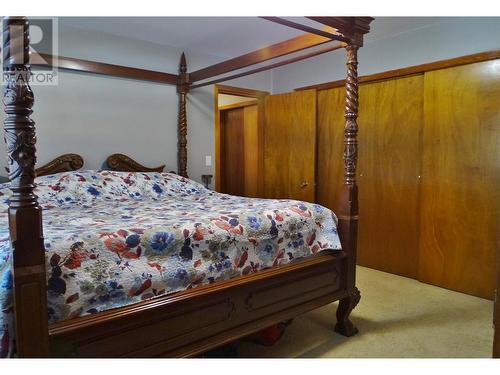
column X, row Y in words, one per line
column 116, row 238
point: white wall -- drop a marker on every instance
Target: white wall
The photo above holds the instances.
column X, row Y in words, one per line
column 451, row 37
column 96, row 115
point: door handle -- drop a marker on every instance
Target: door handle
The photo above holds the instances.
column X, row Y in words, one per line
column 304, row 184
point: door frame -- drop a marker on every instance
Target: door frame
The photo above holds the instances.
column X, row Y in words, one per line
column 496, row 305
column 248, row 93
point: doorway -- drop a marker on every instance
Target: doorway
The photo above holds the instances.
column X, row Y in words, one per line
column 238, row 140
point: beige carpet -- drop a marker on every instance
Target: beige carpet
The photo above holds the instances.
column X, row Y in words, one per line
column 397, row 317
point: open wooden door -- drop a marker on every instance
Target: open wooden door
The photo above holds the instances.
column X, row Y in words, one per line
column 290, row 145
column 239, row 139
column 239, row 149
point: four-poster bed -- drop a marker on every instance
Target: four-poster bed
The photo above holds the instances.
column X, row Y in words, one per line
column 190, row 321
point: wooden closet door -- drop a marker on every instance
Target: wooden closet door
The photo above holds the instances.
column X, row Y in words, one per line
column 460, row 178
column 290, row 145
column 330, row 146
column 390, row 116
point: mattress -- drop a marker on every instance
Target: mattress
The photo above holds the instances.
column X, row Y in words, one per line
column 115, row 238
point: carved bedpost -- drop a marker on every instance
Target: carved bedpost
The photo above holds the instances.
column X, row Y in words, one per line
column 25, row 215
column 182, row 89
column 354, row 29
column 348, row 211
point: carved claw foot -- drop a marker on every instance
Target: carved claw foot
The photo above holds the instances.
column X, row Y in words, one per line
column 344, row 326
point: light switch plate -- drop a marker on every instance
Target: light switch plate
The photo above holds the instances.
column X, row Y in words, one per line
column 208, row 160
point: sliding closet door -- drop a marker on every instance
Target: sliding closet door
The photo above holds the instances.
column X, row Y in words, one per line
column 460, row 185
column 390, row 116
column 290, row 145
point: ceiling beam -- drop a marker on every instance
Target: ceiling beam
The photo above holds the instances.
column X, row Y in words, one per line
column 78, row 65
column 306, row 28
column 272, row 66
column 276, row 50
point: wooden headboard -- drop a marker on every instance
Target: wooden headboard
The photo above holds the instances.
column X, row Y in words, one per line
column 63, row 163
column 124, row 163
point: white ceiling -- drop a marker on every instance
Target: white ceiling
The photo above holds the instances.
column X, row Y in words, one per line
column 224, row 36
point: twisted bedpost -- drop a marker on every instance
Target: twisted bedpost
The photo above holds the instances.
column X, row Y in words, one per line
column 348, row 211
column 25, row 215
column 182, row 89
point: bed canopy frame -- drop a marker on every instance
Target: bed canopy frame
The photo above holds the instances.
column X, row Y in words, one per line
column 190, row 322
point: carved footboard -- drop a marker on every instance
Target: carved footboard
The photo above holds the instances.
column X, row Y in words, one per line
column 193, row 321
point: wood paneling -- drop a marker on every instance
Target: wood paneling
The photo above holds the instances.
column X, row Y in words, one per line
column 390, row 116
column 460, row 185
column 290, row 145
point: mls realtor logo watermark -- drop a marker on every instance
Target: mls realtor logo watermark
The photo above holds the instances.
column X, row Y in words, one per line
column 43, row 41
